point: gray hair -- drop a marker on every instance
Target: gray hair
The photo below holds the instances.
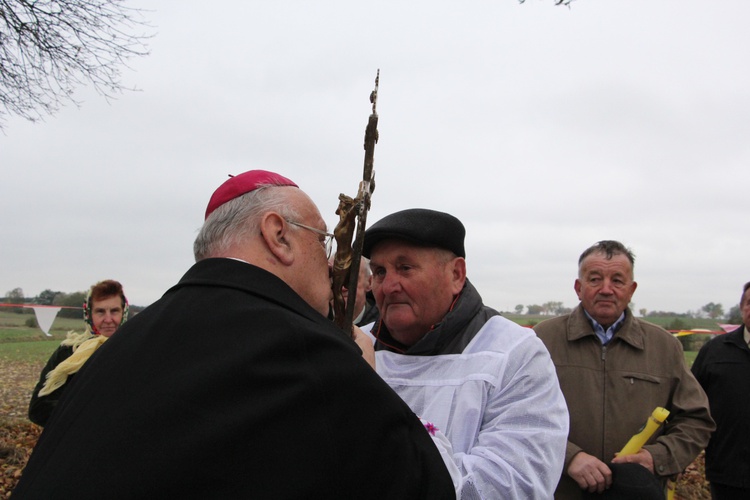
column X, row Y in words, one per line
column 609, row 248
column 238, row 219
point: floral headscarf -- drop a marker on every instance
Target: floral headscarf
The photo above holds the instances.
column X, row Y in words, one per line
column 83, row 344
column 88, row 305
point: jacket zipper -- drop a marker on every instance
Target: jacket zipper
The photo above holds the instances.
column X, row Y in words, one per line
column 604, row 397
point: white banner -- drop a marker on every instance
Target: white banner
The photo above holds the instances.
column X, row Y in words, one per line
column 45, row 316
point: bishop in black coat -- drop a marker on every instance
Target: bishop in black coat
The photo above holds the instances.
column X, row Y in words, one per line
column 232, row 386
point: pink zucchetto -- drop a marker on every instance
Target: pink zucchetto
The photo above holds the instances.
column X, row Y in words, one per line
column 244, row 183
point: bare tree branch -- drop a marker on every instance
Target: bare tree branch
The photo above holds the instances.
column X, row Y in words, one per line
column 50, row 47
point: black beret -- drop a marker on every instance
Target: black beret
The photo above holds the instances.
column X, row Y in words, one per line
column 421, row 226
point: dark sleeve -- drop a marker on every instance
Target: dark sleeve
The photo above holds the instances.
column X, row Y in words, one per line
column 40, row 407
column 698, row 364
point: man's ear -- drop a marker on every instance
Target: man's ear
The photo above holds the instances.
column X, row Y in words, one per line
column 275, row 232
column 458, row 274
column 577, row 287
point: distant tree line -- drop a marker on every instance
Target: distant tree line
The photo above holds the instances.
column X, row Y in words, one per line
column 711, row 310
column 52, row 298
column 552, row 308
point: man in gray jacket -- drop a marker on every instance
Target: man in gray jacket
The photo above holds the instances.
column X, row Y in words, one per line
column 614, row 370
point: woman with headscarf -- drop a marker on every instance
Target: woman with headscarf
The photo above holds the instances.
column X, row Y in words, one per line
column 104, row 310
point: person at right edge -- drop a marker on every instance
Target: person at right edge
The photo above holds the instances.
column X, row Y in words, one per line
column 614, row 370
column 723, row 369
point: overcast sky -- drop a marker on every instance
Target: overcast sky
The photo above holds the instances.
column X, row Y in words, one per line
column 543, row 128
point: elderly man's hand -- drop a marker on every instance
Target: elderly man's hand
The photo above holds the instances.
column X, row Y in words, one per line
column 365, row 343
column 643, row 457
column 590, row 473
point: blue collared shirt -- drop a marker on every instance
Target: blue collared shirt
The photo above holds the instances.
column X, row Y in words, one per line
column 605, row 335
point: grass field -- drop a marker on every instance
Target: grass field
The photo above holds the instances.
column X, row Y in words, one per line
column 24, row 350
column 26, row 344
column 28, row 352
column 14, row 328
column 19, row 342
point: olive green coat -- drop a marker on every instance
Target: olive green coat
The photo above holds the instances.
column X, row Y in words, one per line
column 611, row 390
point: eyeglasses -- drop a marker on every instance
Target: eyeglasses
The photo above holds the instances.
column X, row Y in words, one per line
column 327, row 243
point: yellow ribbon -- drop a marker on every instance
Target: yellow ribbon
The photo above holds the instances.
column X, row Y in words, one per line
column 57, row 377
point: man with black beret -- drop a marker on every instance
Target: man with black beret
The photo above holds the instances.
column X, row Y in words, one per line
column 485, row 382
column 235, row 384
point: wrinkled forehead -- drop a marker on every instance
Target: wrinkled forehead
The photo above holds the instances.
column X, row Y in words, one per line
column 393, row 246
column 394, row 250
column 107, row 302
